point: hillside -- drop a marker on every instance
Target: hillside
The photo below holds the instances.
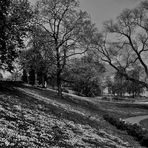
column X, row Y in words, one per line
column 32, row 117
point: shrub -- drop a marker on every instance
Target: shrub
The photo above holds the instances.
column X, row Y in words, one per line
column 87, row 88
column 65, row 90
column 134, row 130
column 105, row 98
column 144, row 141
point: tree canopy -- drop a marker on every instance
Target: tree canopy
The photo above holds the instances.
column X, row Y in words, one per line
column 14, row 20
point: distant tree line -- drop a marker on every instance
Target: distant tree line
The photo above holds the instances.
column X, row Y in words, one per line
column 120, row 85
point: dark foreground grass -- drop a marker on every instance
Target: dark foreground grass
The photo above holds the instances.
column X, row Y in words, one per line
column 89, row 117
column 27, row 121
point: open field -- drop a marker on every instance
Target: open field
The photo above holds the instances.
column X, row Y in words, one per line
column 34, row 117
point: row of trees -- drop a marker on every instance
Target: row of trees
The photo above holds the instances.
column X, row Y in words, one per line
column 62, row 45
column 121, row 86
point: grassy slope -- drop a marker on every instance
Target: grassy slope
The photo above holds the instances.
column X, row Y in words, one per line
column 33, row 121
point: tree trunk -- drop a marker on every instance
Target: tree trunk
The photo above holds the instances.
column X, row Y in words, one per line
column 32, row 77
column 59, row 85
column 43, row 80
column 35, row 82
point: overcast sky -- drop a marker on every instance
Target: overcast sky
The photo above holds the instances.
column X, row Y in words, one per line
column 102, row 10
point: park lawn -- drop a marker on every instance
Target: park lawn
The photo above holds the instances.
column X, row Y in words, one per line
column 28, row 122
column 92, row 111
column 124, row 110
column 33, row 120
column 119, row 110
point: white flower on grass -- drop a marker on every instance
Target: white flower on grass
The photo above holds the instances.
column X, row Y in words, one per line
column 17, row 107
column 7, row 142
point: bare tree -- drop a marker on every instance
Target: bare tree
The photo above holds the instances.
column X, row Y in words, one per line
column 124, row 43
column 67, row 27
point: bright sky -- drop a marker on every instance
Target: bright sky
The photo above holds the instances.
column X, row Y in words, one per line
column 102, row 10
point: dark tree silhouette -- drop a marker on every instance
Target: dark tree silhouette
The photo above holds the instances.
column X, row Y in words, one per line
column 25, row 76
column 14, row 18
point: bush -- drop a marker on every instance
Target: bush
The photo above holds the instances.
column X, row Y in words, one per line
column 105, row 98
column 132, row 129
column 87, row 88
column 144, row 141
column 65, row 90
